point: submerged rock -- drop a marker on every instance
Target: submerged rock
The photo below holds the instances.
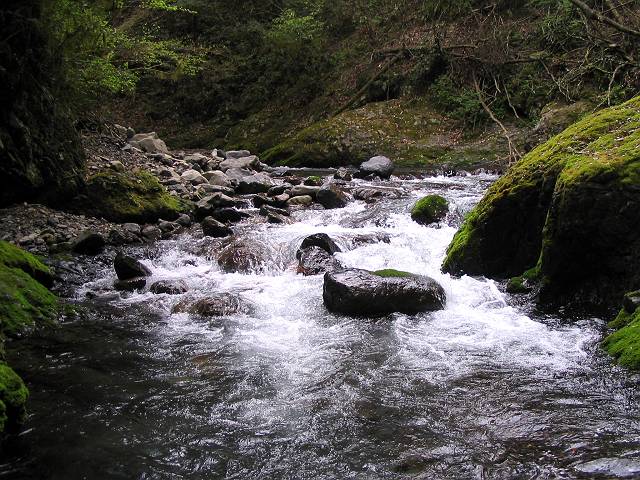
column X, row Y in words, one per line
column 241, row 256
column 127, row 267
column 214, row 306
column 571, row 209
column 429, row 209
column 361, row 292
column 169, row 287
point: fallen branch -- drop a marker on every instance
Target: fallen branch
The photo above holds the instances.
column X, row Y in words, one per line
column 591, row 13
column 357, row 95
column 514, row 154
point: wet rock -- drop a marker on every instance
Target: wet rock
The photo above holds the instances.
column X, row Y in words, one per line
column 331, row 197
column 215, row 201
column 315, row 260
column 343, row 174
column 303, row 190
column 372, row 194
column 169, row 287
column 281, row 200
column 611, row 467
column 132, row 228
column 230, row 215
column 360, row 292
column 256, row 183
column 265, row 210
column 193, row 177
column 303, row 200
column 207, row 189
column 89, row 243
column 370, row 238
column 242, row 256
column 250, row 162
column 379, row 166
column 321, row 240
column 184, row 220
column 278, row 189
column 127, row 267
column 430, row 209
column 237, row 174
column 131, row 284
column 218, row 177
column 151, row 233
column 214, row 306
column 213, row 228
column 313, row 181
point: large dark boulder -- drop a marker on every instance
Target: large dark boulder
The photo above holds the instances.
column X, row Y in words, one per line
column 567, row 214
column 41, row 157
column 321, row 240
column 315, row 260
column 127, row 267
column 331, row 197
column 377, row 166
column 361, row 292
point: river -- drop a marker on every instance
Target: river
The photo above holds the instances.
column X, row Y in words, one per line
column 487, row 388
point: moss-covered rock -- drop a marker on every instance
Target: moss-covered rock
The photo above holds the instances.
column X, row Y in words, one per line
column 15, row 257
column 13, row 398
column 409, row 132
column 130, row 197
column 571, row 207
column 429, row 209
column 624, row 344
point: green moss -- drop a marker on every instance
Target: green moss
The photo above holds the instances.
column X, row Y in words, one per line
column 543, row 211
column 623, row 319
column 624, row 344
column 13, row 398
column 12, row 256
column 391, row 273
column 131, row 197
column 313, row 180
column 24, row 301
column 408, row 131
column 429, row 209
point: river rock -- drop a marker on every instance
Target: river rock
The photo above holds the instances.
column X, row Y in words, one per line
column 219, row 305
column 237, row 174
column 429, row 209
column 233, row 154
column 169, row 287
column 215, row 201
column 321, row 240
column 372, row 194
column 343, row 174
column 265, row 210
column 304, row 190
column 303, row 200
column 331, row 197
column 230, row 215
column 361, row 292
column 256, row 183
column 381, row 166
column 151, row 233
column 218, row 177
column 89, row 243
column 184, row 220
column 149, row 142
column 193, row 177
column 127, row 267
column 250, row 162
column 132, row 228
column 213, row 228
column 242, row 256
column 315, row 260
column 131, row 284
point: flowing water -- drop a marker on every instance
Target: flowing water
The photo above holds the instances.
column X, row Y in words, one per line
column 487, row 388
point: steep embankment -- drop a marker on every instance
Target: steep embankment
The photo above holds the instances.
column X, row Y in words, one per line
column 40, row 152
column 568, row 214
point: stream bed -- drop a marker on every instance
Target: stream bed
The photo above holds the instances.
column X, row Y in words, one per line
column 487, row 388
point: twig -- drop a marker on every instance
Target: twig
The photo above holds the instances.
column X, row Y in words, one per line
column 590, row 13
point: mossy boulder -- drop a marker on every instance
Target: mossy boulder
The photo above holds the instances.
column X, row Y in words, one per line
column 429, row 209
column 13, row 398
column 624, row 344
column 571, row 208
column 131, row 197
column 409, row 131
column 24, row 301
